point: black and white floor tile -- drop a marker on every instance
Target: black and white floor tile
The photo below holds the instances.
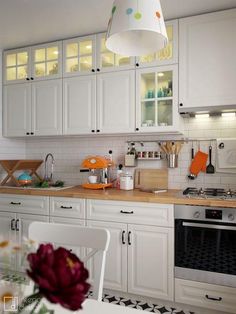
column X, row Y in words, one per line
column 148, row 307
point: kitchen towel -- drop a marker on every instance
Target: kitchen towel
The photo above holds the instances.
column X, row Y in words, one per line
column 226, row 155
column 199, row 163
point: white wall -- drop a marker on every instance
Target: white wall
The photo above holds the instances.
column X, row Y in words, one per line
column 9, row 149
column 69, row 153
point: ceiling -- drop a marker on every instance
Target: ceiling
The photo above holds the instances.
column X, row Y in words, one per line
column 27, row 22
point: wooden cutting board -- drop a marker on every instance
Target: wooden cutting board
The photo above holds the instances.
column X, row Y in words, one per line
column 151, row 178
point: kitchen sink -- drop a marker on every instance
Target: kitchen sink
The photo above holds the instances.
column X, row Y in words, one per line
column 51, row 188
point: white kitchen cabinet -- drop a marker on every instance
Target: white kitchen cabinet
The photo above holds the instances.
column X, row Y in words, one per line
column 7, row 221
column 33, row 108
column 79, row 96
column 17, row 109
column 142, row 213
column 219, row 298
column 47, row 107
column 67, row 207
column 151, row 261
column 207, row 60
column 16, row 213
column 140, row 257
column 108, row 61
column 115, row 277
column 167, row 55
column 116, row 102
column 23, row 222
column 79, row 56
column 157, row 100
column 16, row 65
column 39, row 62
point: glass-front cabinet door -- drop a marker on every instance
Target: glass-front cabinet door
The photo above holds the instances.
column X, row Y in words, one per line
column 16, row 66
column 47, row 61
column 108, row 61
column 79, row 56
column 157, row 99
column 168, row 55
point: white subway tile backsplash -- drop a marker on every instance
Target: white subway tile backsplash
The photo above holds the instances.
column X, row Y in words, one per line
column 70, row 151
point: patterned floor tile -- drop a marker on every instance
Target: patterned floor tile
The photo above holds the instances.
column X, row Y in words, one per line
column 148, row 307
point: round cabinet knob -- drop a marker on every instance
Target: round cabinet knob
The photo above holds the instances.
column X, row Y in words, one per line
column 98, row 131
column 98, row 69
column 27, row 133
column 196, row 215
column 231, row 217
column 137, row 129
column 137, row 64
column 181, row 105
column 32, row 78
column 93, row 70
column 93, row 131
column 27, row 79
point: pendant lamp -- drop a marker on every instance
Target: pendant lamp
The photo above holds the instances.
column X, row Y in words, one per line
column 136, row 28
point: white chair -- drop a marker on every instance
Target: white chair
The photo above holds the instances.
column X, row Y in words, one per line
column 77, row 236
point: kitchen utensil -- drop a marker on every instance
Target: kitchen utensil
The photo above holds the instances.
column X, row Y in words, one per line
column 192, row 176
column 163, row 148
column 151, row 178
column 210, row 168
column 198, row 163
column 172, row 160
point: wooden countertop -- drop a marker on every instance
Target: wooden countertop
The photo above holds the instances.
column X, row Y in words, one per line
column 169, row 197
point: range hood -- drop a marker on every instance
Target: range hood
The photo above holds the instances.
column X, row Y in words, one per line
column 211, row 110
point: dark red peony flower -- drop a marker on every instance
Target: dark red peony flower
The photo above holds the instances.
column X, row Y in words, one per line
column 60, row 276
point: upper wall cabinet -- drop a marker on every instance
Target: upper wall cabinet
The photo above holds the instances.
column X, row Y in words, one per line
column 79, row 56
column 17, row 65
column 157, row 99
column 207, row 57
column 39, row 62
column 108, row 61
column 168, row 55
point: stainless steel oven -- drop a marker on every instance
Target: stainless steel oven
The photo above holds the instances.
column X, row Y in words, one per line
column 205, row 244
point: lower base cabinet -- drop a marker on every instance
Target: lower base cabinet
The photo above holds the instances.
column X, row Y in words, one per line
column 205, row 295
column 139, row 259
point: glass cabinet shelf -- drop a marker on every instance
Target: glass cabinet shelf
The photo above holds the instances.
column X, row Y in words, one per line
column 79, row 55
column 157, row 94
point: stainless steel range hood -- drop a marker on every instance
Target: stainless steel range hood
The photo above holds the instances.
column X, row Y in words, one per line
column 212, row 110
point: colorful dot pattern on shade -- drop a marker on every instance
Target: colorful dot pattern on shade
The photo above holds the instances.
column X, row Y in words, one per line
column 137, row 15
column 113, row 10
column 158, row 14
column 129, row 11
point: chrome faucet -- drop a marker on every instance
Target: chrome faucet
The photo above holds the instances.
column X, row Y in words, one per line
column 48, row 177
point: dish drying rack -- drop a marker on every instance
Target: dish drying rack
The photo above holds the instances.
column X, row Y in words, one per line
column 11, row 166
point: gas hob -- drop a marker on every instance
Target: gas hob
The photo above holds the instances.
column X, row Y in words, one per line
column 210, row 193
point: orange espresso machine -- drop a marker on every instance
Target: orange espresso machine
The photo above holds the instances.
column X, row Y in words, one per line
column 99, row 167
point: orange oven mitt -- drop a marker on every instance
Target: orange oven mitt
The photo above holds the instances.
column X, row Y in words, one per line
column 199, row 163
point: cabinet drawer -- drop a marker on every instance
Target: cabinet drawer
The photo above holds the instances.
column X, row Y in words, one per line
column 205, row 295
column 131, row 212
column 67, row 207
column 25, row 204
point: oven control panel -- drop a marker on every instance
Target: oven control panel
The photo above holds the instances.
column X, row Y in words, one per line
column 215, row 214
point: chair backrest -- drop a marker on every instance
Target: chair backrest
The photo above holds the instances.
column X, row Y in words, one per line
column 71, row 235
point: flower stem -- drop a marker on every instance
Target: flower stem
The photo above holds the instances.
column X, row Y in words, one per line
column 29, row 300
column 36, row 305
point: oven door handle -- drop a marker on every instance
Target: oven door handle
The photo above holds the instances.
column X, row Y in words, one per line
column 208, row 226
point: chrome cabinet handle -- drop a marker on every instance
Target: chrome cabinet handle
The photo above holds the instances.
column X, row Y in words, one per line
column 129, row 238
column 125, row 212
column 17, row 225
column 212, row 298
column 13, row 225
column 15, row 203
column 123, row 237
column 66, row 207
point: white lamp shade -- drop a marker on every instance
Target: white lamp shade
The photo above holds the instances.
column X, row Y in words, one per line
column 136, row 27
